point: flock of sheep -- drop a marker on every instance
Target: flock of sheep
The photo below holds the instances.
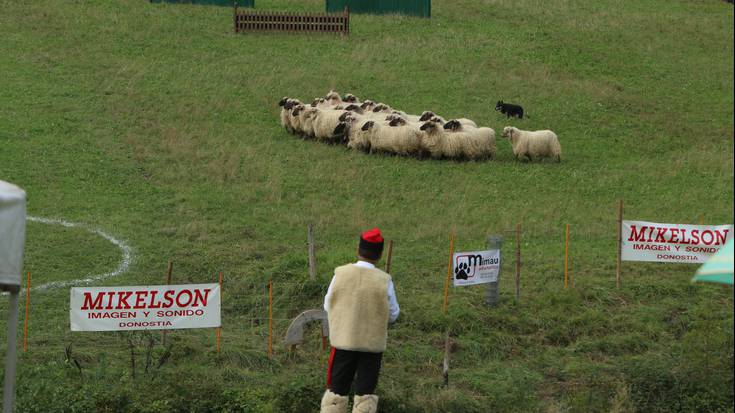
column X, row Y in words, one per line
column 378, row 128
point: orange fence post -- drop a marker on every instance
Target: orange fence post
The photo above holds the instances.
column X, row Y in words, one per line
column 620, row 243
column 389, row 257
column 449, row 272
column 270, row 318
column 219, row 329
column 168, row 282
column 28, row 305
column 518, row 262
column 566, row 259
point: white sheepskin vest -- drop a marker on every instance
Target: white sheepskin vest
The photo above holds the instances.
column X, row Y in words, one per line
column 358, row 309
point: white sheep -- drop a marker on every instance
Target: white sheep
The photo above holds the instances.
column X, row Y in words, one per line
column 350, row 98
column 333, row 98
column 324, row 124
column 321, row 103
column 406, row 116
column 359, row 133
column 306, row 118
column 286, row 105
column 293, row 116
column 533, row 145
column 401, row 139
column 461, row 142
column 367, row 105
column 382, row 108
column 431, row 116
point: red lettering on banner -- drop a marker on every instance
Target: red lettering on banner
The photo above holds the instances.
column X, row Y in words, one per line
column 153, row 300
column 93, row 305
column 109, row 301
column 145, row 324
column 178, row 298
column 695, row 236
column 654, row 247
column 674, row 235
column 167, row 296
column 721, row 237
column 675, row 257
column 113, row 314
column 637, row 236
column 122, row 299
column 140, row 299
column 711, row 237
column 198, row 298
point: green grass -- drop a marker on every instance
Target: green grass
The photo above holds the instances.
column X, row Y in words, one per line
column 155, row 123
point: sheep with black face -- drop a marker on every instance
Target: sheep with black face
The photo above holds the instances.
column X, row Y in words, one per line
column 457, row 141
column 286, row 105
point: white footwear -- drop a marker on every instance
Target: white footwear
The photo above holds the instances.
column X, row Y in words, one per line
column 367, row 403
column 334, row 403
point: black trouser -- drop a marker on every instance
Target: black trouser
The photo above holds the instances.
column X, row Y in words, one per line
column 343, row 364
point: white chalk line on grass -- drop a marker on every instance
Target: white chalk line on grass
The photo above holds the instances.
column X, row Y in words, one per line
column 127, row 255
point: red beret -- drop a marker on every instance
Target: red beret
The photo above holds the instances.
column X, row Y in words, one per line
column 371, row 244
column 372, row 236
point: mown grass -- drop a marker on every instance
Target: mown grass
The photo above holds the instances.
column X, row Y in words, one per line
column 157, row 124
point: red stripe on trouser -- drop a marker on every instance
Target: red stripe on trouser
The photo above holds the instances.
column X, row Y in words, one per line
column 329, row 367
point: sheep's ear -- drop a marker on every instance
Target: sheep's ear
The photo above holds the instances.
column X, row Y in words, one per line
column 368, row 125
column 340, row 129
column 452, row 124
column 427, row 125
column 282, row 101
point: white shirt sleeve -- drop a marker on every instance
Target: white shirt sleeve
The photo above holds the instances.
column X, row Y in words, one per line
column 394, row 309
column 328, row 296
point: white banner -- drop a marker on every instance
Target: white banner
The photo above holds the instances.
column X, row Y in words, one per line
column 153, row 307
column 475, row 267
column 650, row 241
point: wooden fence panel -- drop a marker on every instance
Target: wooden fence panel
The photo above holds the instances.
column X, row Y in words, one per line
column 248, row 20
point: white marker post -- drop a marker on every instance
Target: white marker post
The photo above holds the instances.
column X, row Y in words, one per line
column 12, row 240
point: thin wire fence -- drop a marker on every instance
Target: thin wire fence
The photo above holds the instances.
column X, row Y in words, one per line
column 245, row 308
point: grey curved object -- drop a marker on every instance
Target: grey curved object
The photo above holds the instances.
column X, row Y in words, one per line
column 295, row 332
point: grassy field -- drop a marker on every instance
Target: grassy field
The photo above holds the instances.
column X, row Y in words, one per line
column 156, row 124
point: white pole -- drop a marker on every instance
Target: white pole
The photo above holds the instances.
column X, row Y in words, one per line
column 10, row 355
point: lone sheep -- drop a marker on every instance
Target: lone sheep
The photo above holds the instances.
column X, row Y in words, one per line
column 533, row 145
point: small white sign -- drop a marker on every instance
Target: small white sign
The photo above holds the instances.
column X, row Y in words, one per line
column 155, row 307
column 475, row 267
column 651, row 241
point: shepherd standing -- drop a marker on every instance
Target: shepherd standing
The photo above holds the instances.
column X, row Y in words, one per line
column 360, row 302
